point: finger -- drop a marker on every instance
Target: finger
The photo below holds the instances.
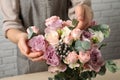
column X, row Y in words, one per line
column 38, row 59
column 35, row 54
column 88, row 15
column 80, row 25
column 79, row 12
column 23, row 47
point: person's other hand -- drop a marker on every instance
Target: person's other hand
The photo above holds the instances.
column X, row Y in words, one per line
column 84, row 15
column 22, row 44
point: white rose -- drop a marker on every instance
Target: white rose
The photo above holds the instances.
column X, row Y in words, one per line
column 65, row 32
column 99, row 35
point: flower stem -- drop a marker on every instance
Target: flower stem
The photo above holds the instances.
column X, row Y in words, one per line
column 89, row 78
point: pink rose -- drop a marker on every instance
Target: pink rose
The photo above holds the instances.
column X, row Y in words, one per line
column 96, row 61
column 52, row 37
column 54, row 22
column 59, row 68
column 72, row 58
column 37, row 43
column 84, row 57
column 51, row 56
column 75, row 33
column 67, row 23
column 93, row 23
column 68, row 40
column 35, row 30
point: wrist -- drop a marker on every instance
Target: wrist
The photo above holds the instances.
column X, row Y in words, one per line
column 14, row 35
column 22, row 36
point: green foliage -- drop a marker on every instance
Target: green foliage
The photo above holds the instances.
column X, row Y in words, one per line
column 75, row 22
column 88, row 75
column 102, row 70
column 102, row 45
column 111, row 66
column 103, row 28
column 82, row 45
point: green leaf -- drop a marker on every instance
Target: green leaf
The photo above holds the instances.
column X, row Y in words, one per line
column 93, row 74
column 59, row 76
column 84, row 75
column 103, row 28
column 75, row 22
column 82, row 45
column 86, row 45
column 111, row 66
column 102, row 70
column 78, row 45
column 102, row 45
column 49, row 78
column 88, row 75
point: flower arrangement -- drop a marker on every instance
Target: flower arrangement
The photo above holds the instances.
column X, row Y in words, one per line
column 73, row 53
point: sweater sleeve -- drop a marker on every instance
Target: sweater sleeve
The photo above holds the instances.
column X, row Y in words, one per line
column 10, row 13
column 71, row 11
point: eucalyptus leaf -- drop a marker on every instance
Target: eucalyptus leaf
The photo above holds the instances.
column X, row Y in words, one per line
column 82, row 45
column 103, row 28
column 78, row 46
column 111, row 66
column 86, row 45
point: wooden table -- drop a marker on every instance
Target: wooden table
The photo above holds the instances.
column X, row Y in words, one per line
column 45, row 75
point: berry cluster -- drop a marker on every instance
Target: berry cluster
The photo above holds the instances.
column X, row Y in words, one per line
column 63, row 49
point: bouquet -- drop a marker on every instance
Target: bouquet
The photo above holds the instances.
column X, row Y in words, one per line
column 71, row 53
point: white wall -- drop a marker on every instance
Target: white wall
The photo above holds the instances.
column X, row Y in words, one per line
column 108, row 12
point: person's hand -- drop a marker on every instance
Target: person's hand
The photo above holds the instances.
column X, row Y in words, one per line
column 84, row 15
column 22, row 44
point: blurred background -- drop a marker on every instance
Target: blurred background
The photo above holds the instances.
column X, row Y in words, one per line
column 105, row 12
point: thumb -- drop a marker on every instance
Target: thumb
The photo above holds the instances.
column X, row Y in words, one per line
column 88, row 15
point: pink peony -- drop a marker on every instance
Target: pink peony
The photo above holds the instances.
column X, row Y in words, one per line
column 96, row 60
column 72, row 58
column 37, row 43
column 35, row 30
column 86, row 34
column 51, row 56
column 53, row 22
column 75, row 33
column 59, row 68
column 84, row 57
